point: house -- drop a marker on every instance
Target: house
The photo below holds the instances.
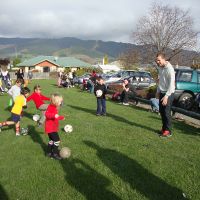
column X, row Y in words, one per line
column 52, row 64
column 107, row 68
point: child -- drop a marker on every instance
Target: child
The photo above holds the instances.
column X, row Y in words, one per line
column 100, row 92
column 15, row 90
column 52, row 125
column 39, row 99
column 20, row 102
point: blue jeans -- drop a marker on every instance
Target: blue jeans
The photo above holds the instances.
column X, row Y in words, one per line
column 101, row 106
column 155, row 104
column 165, row 112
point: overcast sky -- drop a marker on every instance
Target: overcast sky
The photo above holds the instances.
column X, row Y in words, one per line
column 106, row 20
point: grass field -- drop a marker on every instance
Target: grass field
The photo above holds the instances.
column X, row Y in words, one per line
column 118, row 157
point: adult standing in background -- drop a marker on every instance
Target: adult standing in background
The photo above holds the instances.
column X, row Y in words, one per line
column 29, row 76
column 20, row 74
column 4, row 75
column 165, row 92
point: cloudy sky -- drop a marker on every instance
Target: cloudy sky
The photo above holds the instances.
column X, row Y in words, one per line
column 106, row 20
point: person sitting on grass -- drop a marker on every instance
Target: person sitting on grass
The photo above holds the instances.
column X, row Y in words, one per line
column 20, row 102
column 39, row 99
column 52, row 125
column 128, row 91
column 100, row 93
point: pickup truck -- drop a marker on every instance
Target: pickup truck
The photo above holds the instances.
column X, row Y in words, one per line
column 187, row 87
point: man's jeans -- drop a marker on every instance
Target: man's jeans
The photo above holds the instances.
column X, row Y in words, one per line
column 165, row 112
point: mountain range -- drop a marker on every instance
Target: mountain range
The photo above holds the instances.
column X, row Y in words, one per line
column 91, row 51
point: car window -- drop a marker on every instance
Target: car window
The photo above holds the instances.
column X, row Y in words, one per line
column 198, row 77
column 185, row 76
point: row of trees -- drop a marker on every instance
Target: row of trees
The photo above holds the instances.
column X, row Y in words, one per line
column 164, row 29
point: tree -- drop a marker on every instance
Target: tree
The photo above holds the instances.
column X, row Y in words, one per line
column 16, row 61
column 166, row 29
column 129, row 59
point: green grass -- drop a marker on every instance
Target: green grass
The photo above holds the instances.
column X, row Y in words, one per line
column 115, row 157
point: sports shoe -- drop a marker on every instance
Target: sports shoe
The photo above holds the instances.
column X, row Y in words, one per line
column 166, row 133
column 39, row 124
column 126, row 104
column 104, row 114
column 0, row 127
column 56, row 156
column 98, row 114
column 17, row 134
column 49, row 155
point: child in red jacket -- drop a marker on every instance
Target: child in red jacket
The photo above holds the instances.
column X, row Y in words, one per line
column 39, row 99
column 52, row 126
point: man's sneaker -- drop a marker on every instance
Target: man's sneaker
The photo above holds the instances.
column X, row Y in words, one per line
column 17, row 134
column 98, row 114
column 104, row 114
column 166, row 133
column 0, row 127
column 57, row 157
column 120, row 103
column 126, row 104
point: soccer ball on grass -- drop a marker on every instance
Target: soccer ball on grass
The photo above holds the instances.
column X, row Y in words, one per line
column 65, row 152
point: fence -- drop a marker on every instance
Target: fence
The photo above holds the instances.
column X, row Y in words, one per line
column 36, row 75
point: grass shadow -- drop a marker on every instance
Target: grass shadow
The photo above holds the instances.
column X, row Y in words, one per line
column 87, row 181
column 36, row 137
column 3, row 195
column 133, row 173
column 117, row 118
column 181, row 125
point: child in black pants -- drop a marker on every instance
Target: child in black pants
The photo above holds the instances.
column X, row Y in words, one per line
column 100, row 92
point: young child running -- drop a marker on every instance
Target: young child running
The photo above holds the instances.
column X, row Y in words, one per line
column 52, row 126
column 100, row 92
column 39, row 99
column 15, row 90
column 20, row 102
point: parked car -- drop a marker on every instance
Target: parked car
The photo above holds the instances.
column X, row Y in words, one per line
column 140, row 81
column 79, row 79
column 187, row 87
column 119, row 75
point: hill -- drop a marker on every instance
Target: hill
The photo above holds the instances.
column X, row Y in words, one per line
column 95, row 49
column 88, row 50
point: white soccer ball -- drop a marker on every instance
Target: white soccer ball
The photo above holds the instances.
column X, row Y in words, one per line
column 68, row 128
column 36, row 117
column 65, row 152
column 99, row 93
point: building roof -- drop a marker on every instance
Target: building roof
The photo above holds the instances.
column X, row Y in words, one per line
column 58, row 61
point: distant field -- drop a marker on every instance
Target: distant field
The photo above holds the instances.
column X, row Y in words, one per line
column 118, row 157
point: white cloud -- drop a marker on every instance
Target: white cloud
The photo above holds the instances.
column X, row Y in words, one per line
column 91, row 19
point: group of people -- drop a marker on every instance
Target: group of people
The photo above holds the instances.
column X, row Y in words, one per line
column 49, row 113
column 164, row 95
column 66, row 79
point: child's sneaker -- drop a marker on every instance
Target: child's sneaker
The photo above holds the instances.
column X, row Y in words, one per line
column 49, row 155
column 17, row 134
column 39, row 124
column 57, row 157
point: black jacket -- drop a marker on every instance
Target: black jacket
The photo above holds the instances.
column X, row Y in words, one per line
column 102, row 88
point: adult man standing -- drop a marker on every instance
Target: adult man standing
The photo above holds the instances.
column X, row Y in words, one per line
column 165, row 92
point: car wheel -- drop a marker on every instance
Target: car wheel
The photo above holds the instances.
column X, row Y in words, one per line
column 186, row 101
